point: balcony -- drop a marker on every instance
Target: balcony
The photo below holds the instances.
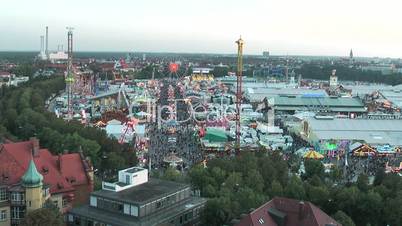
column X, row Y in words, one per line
column 17, row 203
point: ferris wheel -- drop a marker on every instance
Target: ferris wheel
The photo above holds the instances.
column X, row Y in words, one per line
column 174, row 70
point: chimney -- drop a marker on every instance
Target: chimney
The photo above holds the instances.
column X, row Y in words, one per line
column 42, row 43
column 35, row 146
column 301, row 210
column 59, row 161
column 47, row 42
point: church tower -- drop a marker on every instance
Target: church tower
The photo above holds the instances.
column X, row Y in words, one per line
column 351, row 57
column 333, row 80
column 32, row 181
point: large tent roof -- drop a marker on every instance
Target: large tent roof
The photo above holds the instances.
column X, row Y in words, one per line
column 313, row 155
column 215, row 135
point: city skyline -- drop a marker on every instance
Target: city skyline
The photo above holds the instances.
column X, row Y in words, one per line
column 207, row 26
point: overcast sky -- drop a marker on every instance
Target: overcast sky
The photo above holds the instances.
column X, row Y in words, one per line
column 294, row 27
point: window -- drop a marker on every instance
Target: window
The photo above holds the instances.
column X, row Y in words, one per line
column 93, row 201
column 188, row 216
column 3, row 194
column 261, row 221
column 134, row 211
column 17, row 213
column 16, row 196
column 45, row 192
column 110, row 205
column 3, row 215
column 65, row 202
column 70, row 218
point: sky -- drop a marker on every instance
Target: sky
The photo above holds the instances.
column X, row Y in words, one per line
column 283, row 27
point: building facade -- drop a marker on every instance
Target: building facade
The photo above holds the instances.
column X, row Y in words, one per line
column 30, row 176
column 135, row 200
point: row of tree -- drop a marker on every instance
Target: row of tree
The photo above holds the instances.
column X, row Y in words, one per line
column 323, row 71
column 234, row 186
column 23, row 115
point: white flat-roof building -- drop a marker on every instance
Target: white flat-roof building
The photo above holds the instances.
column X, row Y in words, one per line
column 59, row 55
column 370, row 131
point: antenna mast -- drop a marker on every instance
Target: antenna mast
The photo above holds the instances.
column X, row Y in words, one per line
column 69, row 74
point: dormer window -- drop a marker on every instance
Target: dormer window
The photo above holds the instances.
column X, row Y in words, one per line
column 60, row 186
column 70, row 179
column 45, row 170
column 5, row 177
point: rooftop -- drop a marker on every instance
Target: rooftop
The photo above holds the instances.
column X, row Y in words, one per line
column 371, row 131
column 143, row 193
column 257, row 94
column 287, row 212
column 336, row 104
column 126, row 220
column 61, row 172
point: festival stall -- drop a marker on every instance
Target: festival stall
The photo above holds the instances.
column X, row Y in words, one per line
column 363, row 150
column 313, row 155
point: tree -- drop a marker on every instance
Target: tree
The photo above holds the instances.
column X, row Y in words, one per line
column 220, row 71
column 335, row 174
column 209, row 191
column 276, row 189
column 363, row 182
column 217, row 212
column 318, row 195
column 249, row 198
column 320, row 71
column 347, row 198
column 114, row 162
column 295, row 189
column 198, row 177
column 313, row 167
column 171, row 174
column 393, row 210
column 233, row 181
column 43, row 216
column 254, row 180
column 343, row 218
column 218, row 174
column 379, row 176
column 369, row 207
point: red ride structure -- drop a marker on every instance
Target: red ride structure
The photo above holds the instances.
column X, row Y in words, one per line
column 128, row 129
column 173, row 67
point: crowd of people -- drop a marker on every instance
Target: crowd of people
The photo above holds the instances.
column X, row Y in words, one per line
column 363, row 165
column 175, row 135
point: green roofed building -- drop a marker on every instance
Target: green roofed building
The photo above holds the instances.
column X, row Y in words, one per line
column 215, row 135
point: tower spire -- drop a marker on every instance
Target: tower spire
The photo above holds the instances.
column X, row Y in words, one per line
column 32, row 178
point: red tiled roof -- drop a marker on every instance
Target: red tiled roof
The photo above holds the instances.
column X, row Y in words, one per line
column 70, row 165
column 312, row 215
column 15, row 157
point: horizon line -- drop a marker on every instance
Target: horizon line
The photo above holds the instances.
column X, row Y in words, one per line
column 205, row 53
